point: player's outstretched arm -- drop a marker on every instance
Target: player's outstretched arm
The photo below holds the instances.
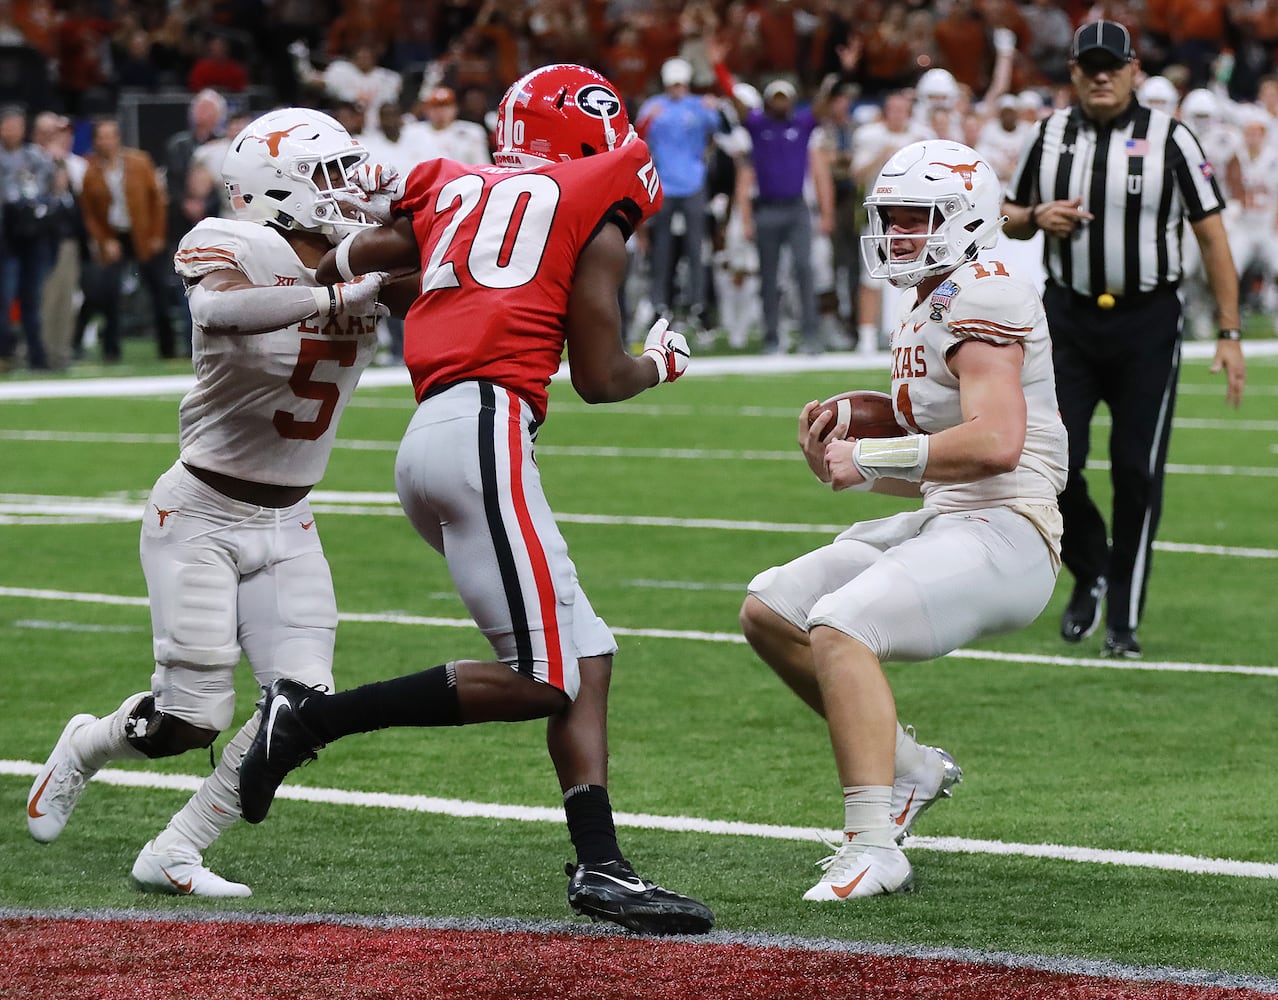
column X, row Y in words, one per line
column 225, row 303
column 390, row 248
column 602, row 370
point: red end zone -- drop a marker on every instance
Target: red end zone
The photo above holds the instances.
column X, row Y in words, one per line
column 91, row 959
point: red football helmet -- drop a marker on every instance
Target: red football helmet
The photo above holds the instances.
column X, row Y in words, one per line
column 559, row 112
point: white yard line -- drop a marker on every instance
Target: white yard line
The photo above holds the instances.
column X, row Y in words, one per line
column 694, row 635
column 22, row 508
column 683, row 824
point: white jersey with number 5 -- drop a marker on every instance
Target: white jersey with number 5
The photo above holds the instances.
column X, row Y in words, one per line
column 982, row 300
column 265, row 407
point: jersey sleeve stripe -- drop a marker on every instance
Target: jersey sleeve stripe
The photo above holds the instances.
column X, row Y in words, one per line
column 205, row 254
column 989, row 326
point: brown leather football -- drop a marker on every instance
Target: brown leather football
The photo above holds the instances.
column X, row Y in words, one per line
column 867, row 412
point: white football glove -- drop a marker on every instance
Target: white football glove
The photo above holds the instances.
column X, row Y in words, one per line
column 357, row 297
column 1004, row 40
column 668, row 351
column 379, row 178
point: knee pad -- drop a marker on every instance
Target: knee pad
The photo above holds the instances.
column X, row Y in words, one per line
column 158, row 734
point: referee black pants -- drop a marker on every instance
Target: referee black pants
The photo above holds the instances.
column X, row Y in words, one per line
column 1129, row 358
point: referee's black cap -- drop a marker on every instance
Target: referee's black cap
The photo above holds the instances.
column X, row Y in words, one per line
column 1098, row 37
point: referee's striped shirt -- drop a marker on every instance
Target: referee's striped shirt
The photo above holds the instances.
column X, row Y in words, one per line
column 1138, row 175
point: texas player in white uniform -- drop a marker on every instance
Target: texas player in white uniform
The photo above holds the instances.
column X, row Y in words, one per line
column 517, row 260
column 229, row 546
column 972, row 383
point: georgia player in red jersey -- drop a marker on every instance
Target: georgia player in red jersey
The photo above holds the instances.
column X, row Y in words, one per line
column 516, row 260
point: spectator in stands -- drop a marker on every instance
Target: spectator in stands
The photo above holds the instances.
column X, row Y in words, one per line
column 190, row 197
column 133, row 67
column 629, row 65
column 888, row 64
column 81, row 42
column 444, row 134
column 362, row 23
column 873, row 146
column 218, row 69
column 356, row 78
column 777, row 215
column 125, row 208
column 52, row 133
column 678, row 126
column 28, row 238
column 1050, row 30
column 833, row 140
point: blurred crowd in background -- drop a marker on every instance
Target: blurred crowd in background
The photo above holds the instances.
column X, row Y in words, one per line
column 115, row 114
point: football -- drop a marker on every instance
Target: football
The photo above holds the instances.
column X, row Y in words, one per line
column 867, row 413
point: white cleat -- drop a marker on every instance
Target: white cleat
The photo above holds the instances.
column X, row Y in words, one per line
column 57, row 787
column 181, row 873
column 855, row 871
column 913, row 793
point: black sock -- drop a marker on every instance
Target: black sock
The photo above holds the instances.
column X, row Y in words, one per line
column 590, row 824
column 426, row 698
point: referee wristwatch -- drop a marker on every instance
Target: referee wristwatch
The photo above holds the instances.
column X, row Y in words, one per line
column 1229, row 335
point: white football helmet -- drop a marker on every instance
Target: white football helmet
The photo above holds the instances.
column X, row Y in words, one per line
column 961, row 190
column 937, row 88
column 1159, row 92
column 285, row 167
column 1200, row 108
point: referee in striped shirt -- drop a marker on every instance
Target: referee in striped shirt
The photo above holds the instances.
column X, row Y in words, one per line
column 1108, row 181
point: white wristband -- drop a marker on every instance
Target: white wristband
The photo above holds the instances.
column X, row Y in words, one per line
column 891, row 458
column 343, row 258
column 325, row 300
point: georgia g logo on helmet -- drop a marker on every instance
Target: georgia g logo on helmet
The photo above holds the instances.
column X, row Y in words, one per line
column 598, row 101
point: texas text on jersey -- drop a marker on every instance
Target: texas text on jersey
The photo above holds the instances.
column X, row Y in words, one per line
column 982, row 300
column 265, row 407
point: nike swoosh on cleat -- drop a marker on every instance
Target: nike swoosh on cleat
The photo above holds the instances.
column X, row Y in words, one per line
column 634, row 885
column 32, row 811
column 900, row 820
column 182, row 887
column 844, row 891
column 279, row 702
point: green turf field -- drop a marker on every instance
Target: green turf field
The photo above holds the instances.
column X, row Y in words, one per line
column 670, row 504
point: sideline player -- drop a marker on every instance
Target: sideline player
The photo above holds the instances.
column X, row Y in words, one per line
column 972, row 383
column 230, row 548
column 516, row 260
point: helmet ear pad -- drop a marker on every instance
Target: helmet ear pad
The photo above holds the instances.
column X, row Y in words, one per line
column 964, row 197
column 559, row 112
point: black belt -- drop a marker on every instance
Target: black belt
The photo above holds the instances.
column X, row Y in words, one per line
column 1117, row 302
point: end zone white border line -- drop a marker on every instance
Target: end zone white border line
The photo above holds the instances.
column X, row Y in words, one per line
column 683, row 824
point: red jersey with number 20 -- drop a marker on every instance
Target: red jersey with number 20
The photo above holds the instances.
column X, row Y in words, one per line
column 499, row 248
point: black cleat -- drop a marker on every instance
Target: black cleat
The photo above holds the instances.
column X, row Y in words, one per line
column 1121, row 643
column 282, row 743
column 1083, row 612
column 610, row 890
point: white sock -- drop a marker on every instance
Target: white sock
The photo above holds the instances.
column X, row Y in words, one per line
column 910, row 756
column 867, row 814
column 215, row 806
column 103, row 739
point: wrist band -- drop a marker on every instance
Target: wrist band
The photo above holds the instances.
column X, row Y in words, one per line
column 325, row 300
column 343, row 258
column 1033, row 219
column 893, row 458
column 1229, row 335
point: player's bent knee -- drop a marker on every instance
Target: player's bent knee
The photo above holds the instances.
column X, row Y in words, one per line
column 158, row 734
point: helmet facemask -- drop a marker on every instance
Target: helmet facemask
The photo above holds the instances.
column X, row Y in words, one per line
column 294, row 169
column 961, row 195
